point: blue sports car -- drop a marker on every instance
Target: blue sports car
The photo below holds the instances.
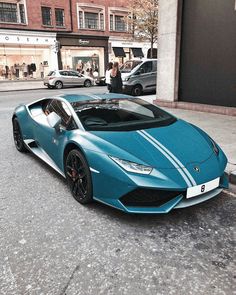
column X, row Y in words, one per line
column 122, row 151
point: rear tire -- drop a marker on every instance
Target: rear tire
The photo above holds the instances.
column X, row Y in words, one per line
column 58, row 85
column 137, row 90
column 78, row 177
column 87, row 83
column 18, row 138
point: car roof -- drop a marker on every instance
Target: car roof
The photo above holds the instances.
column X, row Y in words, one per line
column 83, row 97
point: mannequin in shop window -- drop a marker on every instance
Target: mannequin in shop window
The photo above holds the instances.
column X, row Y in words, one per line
column 41, row 69
column 25, row 70
column 17, row 70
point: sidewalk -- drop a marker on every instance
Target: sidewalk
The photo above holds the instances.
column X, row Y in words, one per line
column 8, row 86
column 221, row 128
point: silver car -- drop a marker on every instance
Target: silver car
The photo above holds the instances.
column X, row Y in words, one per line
column 64, row 78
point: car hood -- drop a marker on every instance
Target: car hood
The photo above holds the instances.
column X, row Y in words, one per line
column 161, row 147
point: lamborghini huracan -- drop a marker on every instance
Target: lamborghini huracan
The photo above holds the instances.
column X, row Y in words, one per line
column 122, row 151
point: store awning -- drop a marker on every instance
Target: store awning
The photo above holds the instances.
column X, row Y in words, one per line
column 119, row 51
column 137, row 52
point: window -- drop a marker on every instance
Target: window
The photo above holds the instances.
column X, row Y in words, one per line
column 120, row 114
column 120, row 25
column 117, row 23
column 62, row 110
column 146, row 67
column 60, row 17
column 91, row 18
column 22, row 13
column 46, row 16
column 12, row 13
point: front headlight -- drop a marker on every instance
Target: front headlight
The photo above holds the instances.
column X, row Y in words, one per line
column 126, row 79
column 132, row 167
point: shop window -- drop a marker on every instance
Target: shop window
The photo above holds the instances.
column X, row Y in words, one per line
column 91, row 18
column 60, row 17
column 12, row 13
column 46, row 16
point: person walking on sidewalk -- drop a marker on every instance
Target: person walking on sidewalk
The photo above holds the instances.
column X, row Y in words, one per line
column 108, row 76
column 116, row 81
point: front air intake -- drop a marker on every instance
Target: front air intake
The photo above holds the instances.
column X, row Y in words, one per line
column 142, row 197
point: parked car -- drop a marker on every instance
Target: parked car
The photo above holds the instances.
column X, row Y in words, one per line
column 122, row 151
column 139, row 76
column 101, row 81
column 65, row 78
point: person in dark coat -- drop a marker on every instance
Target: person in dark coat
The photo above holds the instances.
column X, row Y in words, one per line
column 116, row 81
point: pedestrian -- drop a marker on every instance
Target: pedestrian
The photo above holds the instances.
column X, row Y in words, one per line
column 108, row 76
column 41, row 68
column 116, row 81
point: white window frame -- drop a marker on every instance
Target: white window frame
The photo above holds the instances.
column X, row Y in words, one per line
column 18, row 12
column 85, row 7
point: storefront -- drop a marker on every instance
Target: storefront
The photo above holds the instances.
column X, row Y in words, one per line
column 86, row 54
column 122, row 50
column 26, row 55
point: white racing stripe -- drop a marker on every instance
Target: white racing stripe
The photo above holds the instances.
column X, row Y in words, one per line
column 189, row 184
column 172, row 158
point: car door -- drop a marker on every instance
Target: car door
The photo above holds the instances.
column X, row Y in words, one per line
column 66, row 79
column 76, row 78
column 147, row 76
column 53, row 140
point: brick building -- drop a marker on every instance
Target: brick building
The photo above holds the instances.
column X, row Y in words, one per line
column 87, row 33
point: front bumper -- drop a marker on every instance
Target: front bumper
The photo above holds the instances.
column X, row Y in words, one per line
column 151, row 201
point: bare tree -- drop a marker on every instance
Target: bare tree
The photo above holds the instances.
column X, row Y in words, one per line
column 143, row 20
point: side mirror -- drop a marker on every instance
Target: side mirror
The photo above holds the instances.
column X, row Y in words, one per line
column 54, row 120
column 137, row 73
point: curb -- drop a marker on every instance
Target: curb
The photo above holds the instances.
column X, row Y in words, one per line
column 232, row 177
column 27, row 89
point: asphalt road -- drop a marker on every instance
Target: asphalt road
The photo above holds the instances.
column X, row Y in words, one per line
column 50, row 244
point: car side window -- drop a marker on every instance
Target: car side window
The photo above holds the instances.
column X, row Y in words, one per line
column 154, row 66
column 64, row 73
column 146, row 67
column 62, row 110
column 74, row 74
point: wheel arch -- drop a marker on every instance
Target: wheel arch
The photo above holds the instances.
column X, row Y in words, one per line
column 137, row 85
column 69, row 147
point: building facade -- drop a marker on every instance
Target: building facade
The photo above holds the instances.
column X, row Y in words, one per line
column 196, row 52
column 67, row 34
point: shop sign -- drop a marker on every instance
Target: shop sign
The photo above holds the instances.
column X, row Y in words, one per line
column 83, row 42
column 13, row 39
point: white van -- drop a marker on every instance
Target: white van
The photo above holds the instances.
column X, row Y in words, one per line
column 139, row 76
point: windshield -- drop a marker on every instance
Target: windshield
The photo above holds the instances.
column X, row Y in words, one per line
column 120, row 114
column 129, row 65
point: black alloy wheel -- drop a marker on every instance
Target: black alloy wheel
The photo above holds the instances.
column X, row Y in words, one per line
column 87, row 83
column 137, row 90
column 79, row 177
column 17, row 135
column 58, row 85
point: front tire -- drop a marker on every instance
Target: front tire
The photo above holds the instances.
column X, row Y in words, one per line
column 58, row 85
column 137, row 90
column 18, row 138
column 87, row 83
column 78, row 177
